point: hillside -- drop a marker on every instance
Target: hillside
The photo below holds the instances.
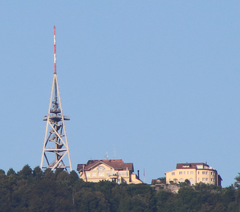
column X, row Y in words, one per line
column 34, row 190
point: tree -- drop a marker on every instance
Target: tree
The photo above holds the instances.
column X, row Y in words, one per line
column 91, row 201
column 2, row 172
column 37, row 172
column 237, row 183
column 58, row 171
column 11, row 172
column 162, row 180
column 48, row 174
column 26, row 172
column 73, row 177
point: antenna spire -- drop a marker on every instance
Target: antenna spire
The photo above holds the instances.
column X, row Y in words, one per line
column 54, row 46
column 55, row 139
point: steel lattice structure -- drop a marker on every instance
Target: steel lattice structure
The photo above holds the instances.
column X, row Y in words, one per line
column 55, row 145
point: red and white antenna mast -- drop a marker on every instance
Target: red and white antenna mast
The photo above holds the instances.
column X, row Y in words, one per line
column 54, row 46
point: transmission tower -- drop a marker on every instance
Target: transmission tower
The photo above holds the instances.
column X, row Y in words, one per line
column 55, row 145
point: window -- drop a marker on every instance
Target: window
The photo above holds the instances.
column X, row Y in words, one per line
column 101, row 168
column 211, row 173
column 191, row 172
column 198, row 179
column 180, row 172
column 188, row 172
column 203, row 179
column 173, row 173
column 206, row 179
column 198, row 172
column 203, row 172
column 101, row 174
column 123, row 173
column 206, row 172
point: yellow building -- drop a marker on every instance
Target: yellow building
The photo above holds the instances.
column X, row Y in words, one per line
column 195, row 173
column 111, row 170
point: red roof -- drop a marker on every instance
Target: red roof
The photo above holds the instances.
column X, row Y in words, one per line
column 116, row 164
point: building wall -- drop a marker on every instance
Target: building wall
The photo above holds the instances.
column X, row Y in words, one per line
column 104, row 172
column 206, row 176
column 180, row 175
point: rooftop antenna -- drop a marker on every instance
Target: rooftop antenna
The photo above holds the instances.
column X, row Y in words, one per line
column 54, row 49
column 144, row 174
column 106, row 156
column 55, row 139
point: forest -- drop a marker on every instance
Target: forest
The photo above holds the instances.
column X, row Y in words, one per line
column 35, row 190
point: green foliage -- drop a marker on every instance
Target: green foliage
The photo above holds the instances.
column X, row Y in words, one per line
column 26, row 172
column 237, row 183
column 37, row 172
column 2, row 172
column 160, row 180
column 73, row 177
column 34, row 190
column 11, row 172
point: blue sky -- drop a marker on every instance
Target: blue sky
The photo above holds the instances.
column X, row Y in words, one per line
column 156, row 81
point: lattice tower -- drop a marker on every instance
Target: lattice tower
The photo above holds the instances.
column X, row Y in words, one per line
column 55, row 145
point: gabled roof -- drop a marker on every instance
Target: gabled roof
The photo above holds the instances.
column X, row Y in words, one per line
column 116, row 164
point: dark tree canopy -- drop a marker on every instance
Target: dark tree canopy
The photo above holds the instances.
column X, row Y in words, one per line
column 35, row 190
column 11, row 172
column 2, row 172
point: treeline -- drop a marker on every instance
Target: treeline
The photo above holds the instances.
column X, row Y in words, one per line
column 34, row 190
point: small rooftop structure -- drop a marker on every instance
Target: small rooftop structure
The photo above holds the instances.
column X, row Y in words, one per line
column 193, row 166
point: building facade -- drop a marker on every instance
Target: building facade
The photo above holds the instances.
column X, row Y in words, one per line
column 195, row 173
column 112, row 170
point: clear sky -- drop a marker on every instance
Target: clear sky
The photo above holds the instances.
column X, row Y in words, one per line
column 156, row 82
